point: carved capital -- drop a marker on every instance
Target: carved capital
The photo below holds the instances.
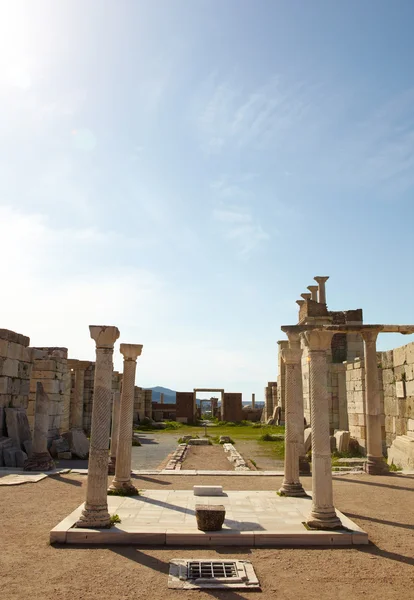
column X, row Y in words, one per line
column 291, row 356
column 131, row 351
column 105, row 336
column 370, row 335
column 294, row 341
column 306, row 296
column 317, row 340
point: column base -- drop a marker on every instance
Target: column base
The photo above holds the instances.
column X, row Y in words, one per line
column 376, row 465
column 123, row 488
column 292, row 489
column 94, row 518
column 322, row 520
column 39, row 461
column 111, row 465
column 304, row 466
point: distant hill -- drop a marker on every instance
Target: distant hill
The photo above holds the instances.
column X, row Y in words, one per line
column 169, row 395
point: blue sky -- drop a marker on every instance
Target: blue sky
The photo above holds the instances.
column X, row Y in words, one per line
column 182, row 169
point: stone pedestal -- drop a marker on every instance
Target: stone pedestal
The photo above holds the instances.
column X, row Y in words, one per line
column 376, row 464
column 210, row 517
column 95, row 513
column 293, row 419
column 114, row 432
column 122, row 480
column 40, row 459
column 323, row 515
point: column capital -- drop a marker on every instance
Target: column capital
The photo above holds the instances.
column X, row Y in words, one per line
column 314, row 291
column 306, row 296
column 321, row 278
column 294, row 340
column 283, row 344
column 318, row 340
column 300, row 303
column 291, row 356
column 370, row 335
column 131, row 351
column 105, row 336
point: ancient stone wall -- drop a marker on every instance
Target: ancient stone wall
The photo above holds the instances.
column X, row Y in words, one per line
column 231, row 409
column 50, row 367
column 184, row 407
column 15, row 371
column 397, row 368
column 139, row 404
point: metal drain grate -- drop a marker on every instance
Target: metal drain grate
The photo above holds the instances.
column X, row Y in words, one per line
column 205, row 573
column 222, row 569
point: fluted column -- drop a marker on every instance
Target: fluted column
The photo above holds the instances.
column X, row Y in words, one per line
column 376, row 464
column 122, row 480
column 114, row 432
column 77, row 411
column 293, row 418
column 95, row 513
column 323, row 515
column 40, row 459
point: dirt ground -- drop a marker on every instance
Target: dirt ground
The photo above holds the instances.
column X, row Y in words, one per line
column 31, row 568
column 207, row 457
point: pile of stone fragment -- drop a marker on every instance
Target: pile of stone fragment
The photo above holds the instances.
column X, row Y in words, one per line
column 235, row 457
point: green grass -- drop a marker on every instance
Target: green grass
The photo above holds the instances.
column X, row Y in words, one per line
column 395, row 468
column 114, row 519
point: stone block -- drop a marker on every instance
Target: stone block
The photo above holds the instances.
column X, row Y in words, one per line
column 208, row 490
column 388, row 376
column 409, row 388
column 12, row 336
column 409, row 372
column 59, row 446
column 17, row 425
column 9, row 456
column 78, row 443
column 409, row 353
column 9, row 367
column 387, row 359
column 401, row 452
column 210, row 517
column 199, row 442
column 64, row 455
column 399, row 356
column 24, row 370
column 307, row 439
column 20, row 457
column 28, row 447
column 342, row 440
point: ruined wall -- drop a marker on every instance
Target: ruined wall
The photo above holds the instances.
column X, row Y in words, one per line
column 15, row 371
column 50, row 367
column 231, row 409
column 139, row 404
column 184, row 407
column 397, row 368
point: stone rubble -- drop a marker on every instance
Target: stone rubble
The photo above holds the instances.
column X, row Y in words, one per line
column 235, row 458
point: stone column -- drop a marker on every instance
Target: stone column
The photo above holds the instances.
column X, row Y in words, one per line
column 161, row 398
column 95, row 513
column 306, row 296
column 376, row 464
column 253, row 401
column 114, row 432
column 122, row 480
column 314, row 292
column 323, row 515
column 322, row 290
column 291, row 485
column 77, row 412
column 40, row 460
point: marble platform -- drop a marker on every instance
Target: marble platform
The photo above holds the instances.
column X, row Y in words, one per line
column 253, row 518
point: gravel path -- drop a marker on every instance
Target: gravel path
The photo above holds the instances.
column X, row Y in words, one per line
column 207, row 458
column 31, row 568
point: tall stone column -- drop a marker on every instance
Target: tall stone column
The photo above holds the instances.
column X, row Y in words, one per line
column 293, row 419
column 114, row 432
column 95, row 513
column 323, row 515
column 253, row 401
column 40, row 460
column 314, row 292
column 375, row 464
column 77, row 411
column 122, row 480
